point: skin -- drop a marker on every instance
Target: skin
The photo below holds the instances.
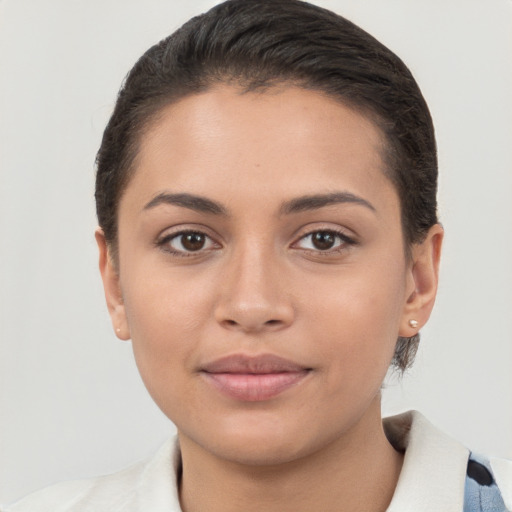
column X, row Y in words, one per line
column 259, row 286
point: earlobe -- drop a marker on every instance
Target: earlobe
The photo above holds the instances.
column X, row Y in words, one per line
column 112, row 288
column 423, row 280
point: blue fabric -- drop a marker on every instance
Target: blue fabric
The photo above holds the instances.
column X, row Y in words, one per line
column 481, row 494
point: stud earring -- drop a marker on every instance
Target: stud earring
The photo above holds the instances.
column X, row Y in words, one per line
column 413, row 323
column 118, row 329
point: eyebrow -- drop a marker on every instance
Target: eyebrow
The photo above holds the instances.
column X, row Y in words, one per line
column 190, row 201
column 299, row 204
column 314, row 202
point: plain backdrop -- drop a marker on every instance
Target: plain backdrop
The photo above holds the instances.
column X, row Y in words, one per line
column 71, row 401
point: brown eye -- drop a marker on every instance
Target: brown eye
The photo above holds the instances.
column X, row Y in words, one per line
column 187, row 242
column 193, row 241
column 323, row 240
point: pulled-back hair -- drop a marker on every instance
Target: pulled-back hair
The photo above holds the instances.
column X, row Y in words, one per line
column 255, row 44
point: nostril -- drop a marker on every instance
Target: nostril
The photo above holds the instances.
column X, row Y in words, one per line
column 268, row 324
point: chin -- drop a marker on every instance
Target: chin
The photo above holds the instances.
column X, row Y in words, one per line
column 260, row 452
column 260, row 441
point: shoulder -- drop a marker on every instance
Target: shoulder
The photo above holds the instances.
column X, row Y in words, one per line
column 144, row 486
column 502, row 470
column 452, row 477
column 488, row 485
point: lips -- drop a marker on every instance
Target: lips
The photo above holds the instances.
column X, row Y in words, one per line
column 255, row 378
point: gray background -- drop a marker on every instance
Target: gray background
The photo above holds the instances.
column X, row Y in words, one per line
column 71, row 402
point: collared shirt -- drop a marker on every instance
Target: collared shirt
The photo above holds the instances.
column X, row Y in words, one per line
column 433, row 478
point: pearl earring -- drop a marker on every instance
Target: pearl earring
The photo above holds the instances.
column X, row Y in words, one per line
column 118, row 329
column 413, row 323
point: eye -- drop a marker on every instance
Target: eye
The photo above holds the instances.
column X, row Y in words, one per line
column 186, row 242
column 324, row 240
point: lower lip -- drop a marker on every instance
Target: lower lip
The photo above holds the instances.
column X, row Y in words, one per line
column 250, row 387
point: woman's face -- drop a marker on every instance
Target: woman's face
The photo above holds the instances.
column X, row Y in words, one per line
column 262, row 275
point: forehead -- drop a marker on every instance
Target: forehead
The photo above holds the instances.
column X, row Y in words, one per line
column 284, row 141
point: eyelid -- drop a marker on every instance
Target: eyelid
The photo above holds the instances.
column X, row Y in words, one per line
column 345, row 235
column 314, row 227
column 164, row 238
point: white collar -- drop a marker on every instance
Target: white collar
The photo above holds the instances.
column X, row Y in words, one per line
column 432, row 478
column 434, row 470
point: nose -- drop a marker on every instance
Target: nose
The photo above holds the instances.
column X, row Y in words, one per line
column 253, row 295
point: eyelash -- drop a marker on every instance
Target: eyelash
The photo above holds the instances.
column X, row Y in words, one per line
column 344, row 241
column 164, row 243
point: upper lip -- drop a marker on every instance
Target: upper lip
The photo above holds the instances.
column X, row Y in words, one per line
column 260, row 364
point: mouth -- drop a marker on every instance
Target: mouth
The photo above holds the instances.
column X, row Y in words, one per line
column 253, row 378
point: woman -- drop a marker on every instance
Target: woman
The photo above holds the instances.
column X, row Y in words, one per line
column 266, row 194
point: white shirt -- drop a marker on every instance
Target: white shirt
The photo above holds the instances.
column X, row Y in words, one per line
column 432, row 478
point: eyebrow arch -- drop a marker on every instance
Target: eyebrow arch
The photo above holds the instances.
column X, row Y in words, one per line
column 190, row 201
column 314, row 202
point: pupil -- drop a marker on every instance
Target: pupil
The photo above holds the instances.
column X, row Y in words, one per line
column 323, row 240
column 193, row 241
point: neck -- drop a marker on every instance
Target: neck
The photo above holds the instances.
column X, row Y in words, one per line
column 356, row 472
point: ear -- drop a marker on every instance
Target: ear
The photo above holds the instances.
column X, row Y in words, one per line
column 422, row 282
column 112, row 288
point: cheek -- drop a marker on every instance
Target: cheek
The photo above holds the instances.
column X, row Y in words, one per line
column 357, row 323
column 165, row 316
